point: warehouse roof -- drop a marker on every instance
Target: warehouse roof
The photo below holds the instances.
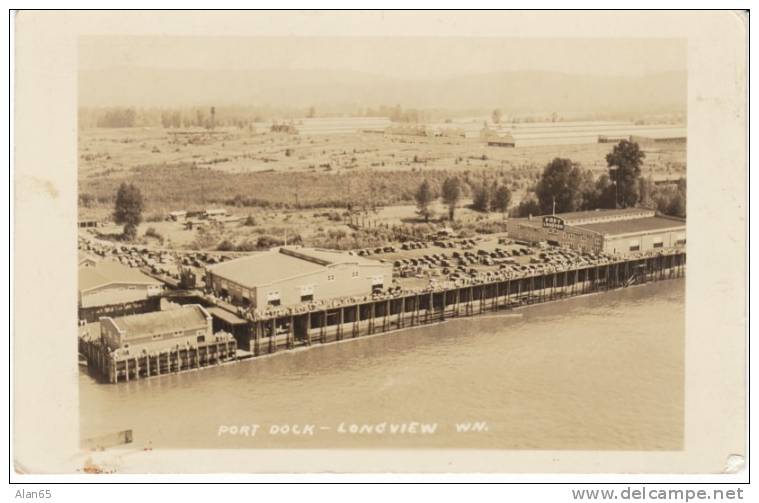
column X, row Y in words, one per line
column 636, row 225
column 264, row 268
column 575, row 216
column 107, row 272
column 275, row 265
column 160, row 322
column 327, row 257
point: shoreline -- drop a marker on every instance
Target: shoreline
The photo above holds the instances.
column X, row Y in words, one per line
column 508, row 313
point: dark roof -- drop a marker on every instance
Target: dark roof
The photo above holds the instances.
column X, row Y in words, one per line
column 226, row 316
column 160, row 322
column 635, row 225
column 107, row 272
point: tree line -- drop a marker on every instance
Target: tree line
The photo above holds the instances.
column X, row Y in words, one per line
column 564, row 186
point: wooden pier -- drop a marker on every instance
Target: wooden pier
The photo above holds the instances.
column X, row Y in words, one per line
column 283, row 332
column 116, row 366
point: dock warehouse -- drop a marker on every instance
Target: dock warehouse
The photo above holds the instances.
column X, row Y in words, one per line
column 110, row 288
column 611, row 231
column 291, row 275
column 158, row 331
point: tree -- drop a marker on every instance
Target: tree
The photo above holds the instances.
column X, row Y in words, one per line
column 424, row 198
column 671, row 199
column 562, row 183
column 481, row 198
column 646, row 191
column 588, row 191
column 128, row 209
column 501, row 199
column 451, row 194
column 527, row 206
column 497, row 114
column 605, row 193
column 624, row 170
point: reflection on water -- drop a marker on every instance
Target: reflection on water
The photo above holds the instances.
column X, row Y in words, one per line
column 598, row 372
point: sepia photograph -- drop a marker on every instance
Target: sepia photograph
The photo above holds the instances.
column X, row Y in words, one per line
column 341, row 242
column 380, row 242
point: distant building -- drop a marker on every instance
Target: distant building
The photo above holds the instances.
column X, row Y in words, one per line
column 87, row 223
column 86, row 260
column 290, row 275
column 407, row 130
column 604, row 138
column 675, row 136
column 157, row 331
column 611, row 231
column 506, row 140
column 215, row 213
column 110, row 288
column 178, row 216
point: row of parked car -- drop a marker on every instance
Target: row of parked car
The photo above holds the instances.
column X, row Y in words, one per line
column 365, row 252
column 455, row 243
column 154, row 260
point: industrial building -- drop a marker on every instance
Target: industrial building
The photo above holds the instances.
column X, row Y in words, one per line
column 157, row 331
column 291, row 275
column 611, row 231
column 110, row 288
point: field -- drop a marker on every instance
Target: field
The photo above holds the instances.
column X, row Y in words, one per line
column 308, row 187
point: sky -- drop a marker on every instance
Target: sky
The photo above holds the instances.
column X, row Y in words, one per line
column 410, row 58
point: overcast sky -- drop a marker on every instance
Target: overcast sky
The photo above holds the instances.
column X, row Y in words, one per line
column 408, row 58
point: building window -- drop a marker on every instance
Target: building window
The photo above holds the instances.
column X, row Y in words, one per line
column 680, row 242
column 157, row 336
column 355, row 274
column 634, row 247
column 201, row 338
column 307, row 298
column 330, row 277
column 659, row 244
column 274, row 302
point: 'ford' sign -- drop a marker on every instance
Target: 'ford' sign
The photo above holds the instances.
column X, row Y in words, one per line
column 553, row 222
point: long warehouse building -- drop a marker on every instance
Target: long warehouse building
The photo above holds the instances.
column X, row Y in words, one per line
column 611, row 231
column 289, row 275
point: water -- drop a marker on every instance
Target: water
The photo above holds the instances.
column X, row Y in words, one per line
column 598, row 372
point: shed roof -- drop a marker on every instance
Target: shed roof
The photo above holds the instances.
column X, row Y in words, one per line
column 263, row 268
column 657, row 223
column 107, row 272
column 160, row 322
column 283, row 263
column 226, row 316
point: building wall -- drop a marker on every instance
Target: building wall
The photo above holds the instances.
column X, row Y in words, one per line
column 223, row 286
column 117, row 294
column 645, row 241
column 91, row 314
column 189, row 334
column 571, row 237
column 338, row 280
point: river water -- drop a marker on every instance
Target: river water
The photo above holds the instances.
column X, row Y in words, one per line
column 603, row 371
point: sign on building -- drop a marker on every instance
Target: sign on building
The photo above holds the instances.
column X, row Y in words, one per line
column 553, row 222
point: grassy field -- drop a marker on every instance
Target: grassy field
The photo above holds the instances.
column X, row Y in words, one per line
column 302, row 186
column 333, row 170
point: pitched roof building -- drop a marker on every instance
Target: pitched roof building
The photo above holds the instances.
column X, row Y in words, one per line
column 290, row 275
